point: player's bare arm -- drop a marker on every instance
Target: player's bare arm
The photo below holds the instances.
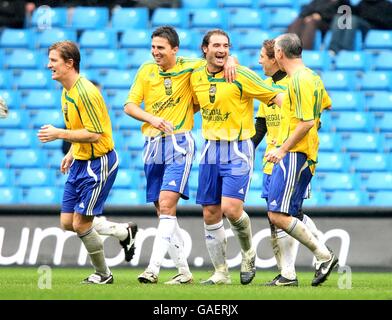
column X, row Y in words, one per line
column 299, row 133
column 138, row 113
column 66, row 162
column 49, row 133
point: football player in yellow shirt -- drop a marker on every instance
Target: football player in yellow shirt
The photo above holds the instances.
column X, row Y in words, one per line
column 226, row 163
column 91, row 162
column 296, row 152
column 164, row 87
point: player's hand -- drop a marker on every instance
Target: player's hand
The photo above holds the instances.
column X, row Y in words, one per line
column 275, row 155
column 66, row 163
column 48, row 133
column 229, row 69
column 162, row 125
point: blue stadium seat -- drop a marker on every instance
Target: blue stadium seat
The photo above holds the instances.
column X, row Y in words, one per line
column 381, row 199
column 274, row 3
column 17, row 138
column 124, row 158
column 10, row 195
column 187, row 39
column 345, row 199
column 136, row 57
column 117, row 79
column 41, row 196
column 316, row 199
column 136, row 38
column 253, row 39
column 6, row 177
column 117, row 98
column 316, row 60
column 45, row 38
column 45, row 17
column 347, row 100
column 383, row 122
column 53, row 157
column 281, row 18
column 33, row 79
column 127, row 178
column 125, row 197
column 357, row 41
column 193, row 180
column 235, row 3
column 331, row 181
column 122, row 121
column 376, row 181
column 376, row 80
column 89, row 18
column 189, row 53
column 359, row 141
column 368, row 162
column 11, row 97
column 25, row 158
column 129, row 18
column 103, row 58
column 191, row 4
column 16, row 38
column 135, row 141
column 352, row 60
column 176, row 17
column 209, row 18
column 332, row 161
column 383, row 61
column 17, row 119
column 5, row 79
column 329, row 142
column 379, row 101
column 257, row 180
column 41, row 99
column 40, row 117
column 98, row 39
column 246, row 18
column 352, row 121
column 339, row 80
column 378, row 39
column 253, row 198
column 34, row 177
column 23, row 59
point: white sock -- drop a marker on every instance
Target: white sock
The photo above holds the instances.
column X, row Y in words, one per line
column 311, row 226
column 162, row 241
column 94, row 245
column 176, row 251
column 299, row 231
column 216, row 241
column 275, row 246
column 109, row 228
column 288, row 249
column 243, row 230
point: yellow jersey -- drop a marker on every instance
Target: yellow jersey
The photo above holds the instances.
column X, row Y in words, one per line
column 227, row 108
column 271, row 114
column 165, row 94
column 84, row 108
column 305, row 99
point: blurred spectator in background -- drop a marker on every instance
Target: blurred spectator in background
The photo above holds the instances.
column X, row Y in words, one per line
column 317, row 15
column 368, row 14
column 13, row 13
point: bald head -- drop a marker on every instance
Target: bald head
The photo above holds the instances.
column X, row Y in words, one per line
column 290, row 44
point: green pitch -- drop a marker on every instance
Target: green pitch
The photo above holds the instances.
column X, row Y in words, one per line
column 23, row 283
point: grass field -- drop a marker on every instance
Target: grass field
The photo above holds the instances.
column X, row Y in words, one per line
column 22, row 283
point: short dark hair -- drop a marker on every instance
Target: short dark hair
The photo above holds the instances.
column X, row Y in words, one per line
column 291, row 45
column 207, row 36
column 68, row 50
column 268, row 45
column 168, row 33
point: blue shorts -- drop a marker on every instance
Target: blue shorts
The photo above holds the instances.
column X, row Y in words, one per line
column 289, row 180
column 167, row 164
column 266, row 184
column 88, row 184
column 225, row 170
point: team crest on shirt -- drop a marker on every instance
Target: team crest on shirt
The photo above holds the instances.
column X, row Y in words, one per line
column 212, row 92
column 66, row 111
column 168, row 86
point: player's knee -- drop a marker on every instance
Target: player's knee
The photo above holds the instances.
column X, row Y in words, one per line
column 67, row 226
column 274, row 219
